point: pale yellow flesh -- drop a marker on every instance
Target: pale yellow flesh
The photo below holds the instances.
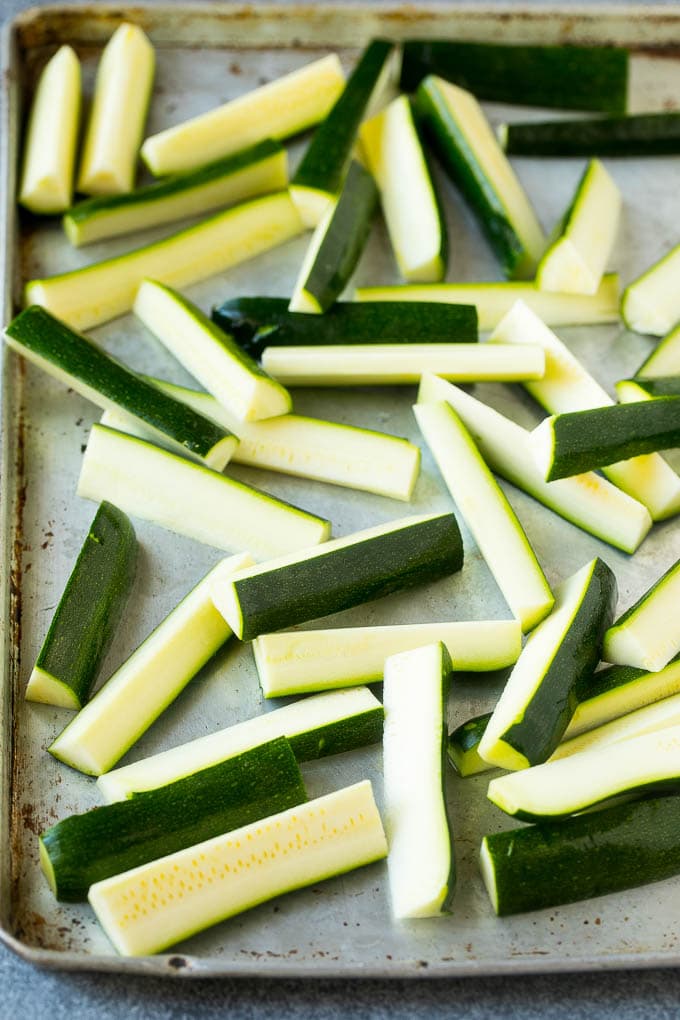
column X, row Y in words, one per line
column 281, row 108
column 312, row 203
column 116, row 125
column 649, row 719
column 651, row 304
column 50, row 690
column 664, row 359
column 151, row 907
column 301, row 300
column 649, row 638
column 50, row 147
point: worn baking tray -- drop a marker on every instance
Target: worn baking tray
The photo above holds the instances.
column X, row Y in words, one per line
column 207, row 54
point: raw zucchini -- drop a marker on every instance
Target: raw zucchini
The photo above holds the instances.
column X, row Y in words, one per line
column 210, row 355
column 83, row 849
column 255, row 171
column 297, row 662
column 641, row 134
column 320, row 725
column 52, row 136
column 570, row 77
column 648, row 634
column 336, row 244
column 192, row 500
column 148, row 681
column 487, row 514
column 278, row 109
column 581, row 781
column 651, row 303
column 88, row 613
column 79, row 363
column 463, row 746
column 345, row 572
column 207, row 883
column 318, row 179
column 574, row 442
column 664, row 359
column 260, row 322
column 642, row 388
column 540, row 695
column 583, row 241
column 467, row 146
column 115, row 129
column 400, row 364
column 421, row 867
column 588, row 501
column 415, row 221
column 94, row 294
column 544, row 865
column 494, row 300
column 567, row 386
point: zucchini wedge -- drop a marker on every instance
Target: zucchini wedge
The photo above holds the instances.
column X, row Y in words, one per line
column 664, row 359
column 462, row 137
column 494, row 300
column 259, row 322
column 567, row 386
column 462, row 747
column 122, row 94
column 148, row 681
column 540, row 695
column 588, row 501
column 83, row 849
column 582, row 242
column 336, row 244
column 298, row 662
column 104, row 290
column 88, row 613
column 319, row 176
column 255, row 171
column 487, row 514
column 211, row 356
column 413, row 214
column 642, row 388
column 545, row 865
column 327, row 836
column 281, row 108
column 345, row 572
column 77, row 362
column 400, row 364
column 318, row 726
column 46, row 184
column 421, row 867
column 651, row 303
column 641, row 134
column 648, row 633
column 192, row 500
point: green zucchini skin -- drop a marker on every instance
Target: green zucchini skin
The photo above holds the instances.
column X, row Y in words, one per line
column 84, row 849
column 661, row 386
column 92, row 604
column 563, row 77
column 591, row 854
column 463, row 743
column 259, row 322
column 335, row 738
column 644, row 134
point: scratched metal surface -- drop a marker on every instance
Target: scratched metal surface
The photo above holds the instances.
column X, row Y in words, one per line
column 343, row 927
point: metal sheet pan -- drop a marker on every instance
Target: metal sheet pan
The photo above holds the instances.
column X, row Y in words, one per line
column 343, row 927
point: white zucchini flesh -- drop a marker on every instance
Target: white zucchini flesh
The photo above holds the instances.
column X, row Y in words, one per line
column 587, row 500
column 664, row 359
column 311, row 713
column 649, row 719
column 396, row 159
column 494, row 300
column 399, row 364
column 146, row 683
column 297, row 662
column 575, row 262
column 583, row 780
column 281, row 108
column 568, row 386
column 212, row 357
column 154, row 484
column 648, row 634
column 156, row 905
column 420, row 864
column 301, row 300
column 90, row 296
column 52, row 136
column 487, row 513
column 651, row 304
column 119, row 108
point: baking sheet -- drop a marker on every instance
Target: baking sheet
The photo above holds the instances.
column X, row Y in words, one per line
column 343, row 927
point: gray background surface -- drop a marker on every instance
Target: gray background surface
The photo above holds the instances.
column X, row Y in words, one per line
column 27, row 991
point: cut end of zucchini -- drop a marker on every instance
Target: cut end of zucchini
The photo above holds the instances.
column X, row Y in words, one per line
column 542, row 440
column 629, row 391
column 49, row 690
column 564, row 270
column 226, row 602
column 312, row 204
column 303, row 301
column 488, row 874
column 46, row 866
